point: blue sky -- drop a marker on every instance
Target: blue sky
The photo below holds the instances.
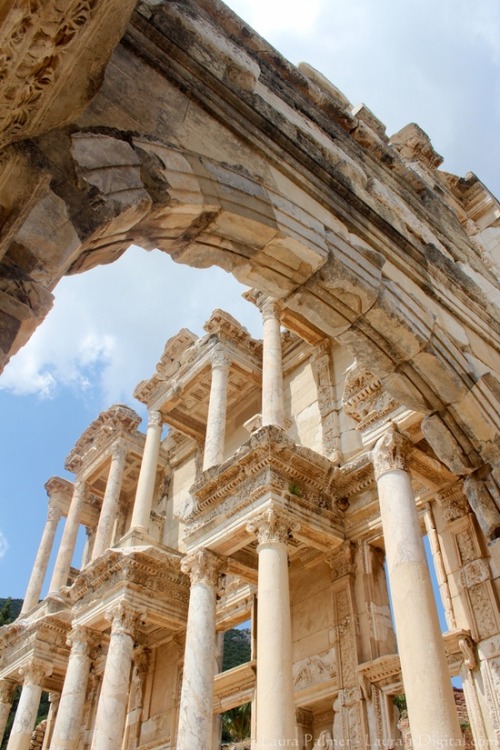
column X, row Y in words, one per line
column 437, row 64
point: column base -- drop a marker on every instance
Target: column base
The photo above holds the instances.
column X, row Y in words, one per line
column 137, row 537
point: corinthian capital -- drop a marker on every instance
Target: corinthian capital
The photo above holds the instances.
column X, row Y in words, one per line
column 273, row 525
column 82, row 640
column 125, row 619
column 6, row 691
column 391, row 452
column 155, row 418
column 35, row 671
column 203, row 566
column 220, row 358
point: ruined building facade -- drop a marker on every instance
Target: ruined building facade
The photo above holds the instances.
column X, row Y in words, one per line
column 299, row 472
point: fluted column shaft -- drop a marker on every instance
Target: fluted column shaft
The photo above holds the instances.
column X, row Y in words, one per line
column 275, row 706
column 426, row 679
column 42, row 560
column 27, row 709
column 110, row 501
column 113, row 700
column 68, row 722
column 6, row 695
column 217, row 408
column 273, row 411
column 68, row 541
column 147, row 476
column 196, row 705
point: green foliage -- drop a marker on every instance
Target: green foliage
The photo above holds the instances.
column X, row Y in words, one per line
column 294, row 489
column 236, row 723
column 400, row 702
column 9, row 610
column 237, row 648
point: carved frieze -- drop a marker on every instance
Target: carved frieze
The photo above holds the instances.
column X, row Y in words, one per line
column 314, row 669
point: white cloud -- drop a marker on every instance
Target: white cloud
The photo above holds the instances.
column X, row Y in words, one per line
column 4, row 545
column 109, row 326
column 269, row 16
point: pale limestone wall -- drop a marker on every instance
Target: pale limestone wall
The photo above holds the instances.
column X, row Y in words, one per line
column 182, row 478
column 236, row 434
column 301, row 406
column 312, row 625
column 350, row 439
column 160, row 695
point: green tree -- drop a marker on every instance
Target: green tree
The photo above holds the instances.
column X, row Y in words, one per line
column 236, row 723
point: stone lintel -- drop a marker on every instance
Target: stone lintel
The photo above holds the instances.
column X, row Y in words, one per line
column 269, row 467
column 234, row 687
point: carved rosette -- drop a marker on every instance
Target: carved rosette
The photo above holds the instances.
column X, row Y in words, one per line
column 125, row 620
column 391, row 452
column 155, row 418
column 203, row 566
column 35, row 672
column 273, row 525
column 6, row 691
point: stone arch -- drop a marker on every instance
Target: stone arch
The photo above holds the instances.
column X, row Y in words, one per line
column 117, row 188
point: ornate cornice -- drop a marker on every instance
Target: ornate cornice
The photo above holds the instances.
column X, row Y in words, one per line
column 391, row 452
column 203, row 566
column 273, row 525
column 117, row 419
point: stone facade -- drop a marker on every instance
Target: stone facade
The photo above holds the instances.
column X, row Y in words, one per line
column 296, row 470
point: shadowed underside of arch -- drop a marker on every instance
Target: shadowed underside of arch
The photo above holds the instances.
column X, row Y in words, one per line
column 203, row 142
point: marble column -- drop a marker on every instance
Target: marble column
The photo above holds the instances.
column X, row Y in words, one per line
column 217, row 407
column 41, row 561
column 273, row 410
column 113, row 699
column 147, row 476
column 68, row 541
column 89, row 545
column 6, row 695
column 51, row 718
column 110, row 501
column 196, row 705
column 68, row 723
column 426, row 679
column 275, row 707
column 24, row 722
